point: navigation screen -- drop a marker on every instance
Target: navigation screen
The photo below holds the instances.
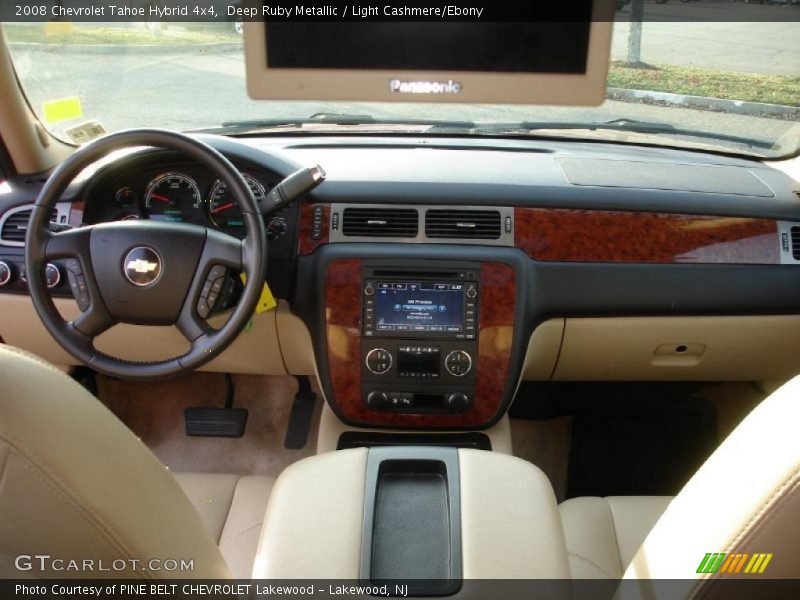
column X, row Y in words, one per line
column 436, row 307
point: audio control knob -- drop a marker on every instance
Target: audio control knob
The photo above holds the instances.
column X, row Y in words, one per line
column 376, row 400
column 458, row 363
column 472, row 291
column 5, row 273
column 457, row 401
column 369, row 290
column 379, row 361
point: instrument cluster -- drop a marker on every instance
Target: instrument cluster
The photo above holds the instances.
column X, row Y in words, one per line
column 179, row 193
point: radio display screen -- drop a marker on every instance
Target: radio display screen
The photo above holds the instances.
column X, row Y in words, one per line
column 419, row 307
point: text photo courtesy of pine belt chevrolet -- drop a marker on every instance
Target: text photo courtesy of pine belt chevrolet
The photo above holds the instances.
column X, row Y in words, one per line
column 406, row 300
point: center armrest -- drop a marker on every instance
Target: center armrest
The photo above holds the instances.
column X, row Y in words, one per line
column 494, row 515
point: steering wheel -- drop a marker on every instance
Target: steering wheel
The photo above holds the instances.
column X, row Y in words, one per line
column 144, row 272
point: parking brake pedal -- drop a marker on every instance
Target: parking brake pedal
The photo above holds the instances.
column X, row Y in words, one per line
column 302, row 414
column 217, row 422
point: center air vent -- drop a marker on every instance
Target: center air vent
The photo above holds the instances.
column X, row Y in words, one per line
column 380, row 222
column 471, row 224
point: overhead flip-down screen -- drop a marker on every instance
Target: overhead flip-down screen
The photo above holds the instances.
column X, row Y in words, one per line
column 500, row 47
column 492, row 61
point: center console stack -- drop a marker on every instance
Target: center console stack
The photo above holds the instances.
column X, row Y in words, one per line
column 420, row 343
column 419, row 338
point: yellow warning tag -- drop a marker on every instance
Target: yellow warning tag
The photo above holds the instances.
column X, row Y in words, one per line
column 266, row 301
column 64, row 109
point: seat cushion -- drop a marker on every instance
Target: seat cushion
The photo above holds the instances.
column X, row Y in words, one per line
column 603, row 534
column 233, row 509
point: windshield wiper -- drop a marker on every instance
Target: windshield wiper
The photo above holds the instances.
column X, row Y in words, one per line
column 324, row 118
column 623, row 125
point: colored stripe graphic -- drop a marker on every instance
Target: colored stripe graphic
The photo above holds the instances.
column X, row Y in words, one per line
column 732, row 563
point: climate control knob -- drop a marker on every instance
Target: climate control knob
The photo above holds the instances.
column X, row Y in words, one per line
column 458, row 401
column 52, row 275
column 5, row 273
column 379, row 361
column 458, row 363
column 376, row 400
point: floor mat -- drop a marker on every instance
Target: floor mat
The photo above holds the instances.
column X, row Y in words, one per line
column 601, row 439
column 154, row 412
column 544, row 443
column 639, row 441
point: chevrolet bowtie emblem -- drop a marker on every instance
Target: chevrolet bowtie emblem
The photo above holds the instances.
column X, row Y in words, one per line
column 142, row 266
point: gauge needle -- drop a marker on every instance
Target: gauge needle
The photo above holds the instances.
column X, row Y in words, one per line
column 161, row 198
column 219, row 209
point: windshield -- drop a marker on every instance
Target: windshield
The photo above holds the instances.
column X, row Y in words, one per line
column 728, row 86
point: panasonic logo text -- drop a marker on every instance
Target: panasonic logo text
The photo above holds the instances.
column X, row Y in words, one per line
column 396, row 86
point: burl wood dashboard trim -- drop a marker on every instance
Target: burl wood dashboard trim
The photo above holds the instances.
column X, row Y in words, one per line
column 497, row 311
column 306, row 243
column 622, row 236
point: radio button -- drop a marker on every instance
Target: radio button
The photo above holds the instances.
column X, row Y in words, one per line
column 457, row 401
column 376, row 400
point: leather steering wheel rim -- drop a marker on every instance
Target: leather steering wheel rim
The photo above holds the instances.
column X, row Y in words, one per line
column 215, row 248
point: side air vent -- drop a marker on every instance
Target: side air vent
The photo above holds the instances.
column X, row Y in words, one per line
column 15, row 225
column 795, row 243
column 471, row 224
column 380, row 222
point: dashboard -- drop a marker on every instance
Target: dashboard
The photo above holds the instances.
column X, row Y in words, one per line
column 426, row 276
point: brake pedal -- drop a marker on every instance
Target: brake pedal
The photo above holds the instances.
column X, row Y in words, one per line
column 217, row 422
column 302, row 413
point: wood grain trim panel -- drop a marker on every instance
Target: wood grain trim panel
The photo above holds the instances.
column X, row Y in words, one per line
column 305, row 243
column 620, row 236
column 343, row 334
column 343, row 339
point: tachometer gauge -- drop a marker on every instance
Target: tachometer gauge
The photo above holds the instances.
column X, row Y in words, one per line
column 223, row 208
column 171, row 196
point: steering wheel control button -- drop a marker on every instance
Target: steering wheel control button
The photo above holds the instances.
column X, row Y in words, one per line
column 458, row 363
column 379, row 361
column 77, row 283
column 142, row 266
column 202, row 308
column 215, row 288
column 5, row 273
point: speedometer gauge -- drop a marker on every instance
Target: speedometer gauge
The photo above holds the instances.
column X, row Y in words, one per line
column 223, row 208
column 171, row 196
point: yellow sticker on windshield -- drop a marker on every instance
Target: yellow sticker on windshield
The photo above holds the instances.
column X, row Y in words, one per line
column 64, row 109
column 266, row 301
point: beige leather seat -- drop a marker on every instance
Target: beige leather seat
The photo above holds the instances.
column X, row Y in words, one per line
column 232, row 508
column 604, row 534
column 744, row 500
column 75, row 483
